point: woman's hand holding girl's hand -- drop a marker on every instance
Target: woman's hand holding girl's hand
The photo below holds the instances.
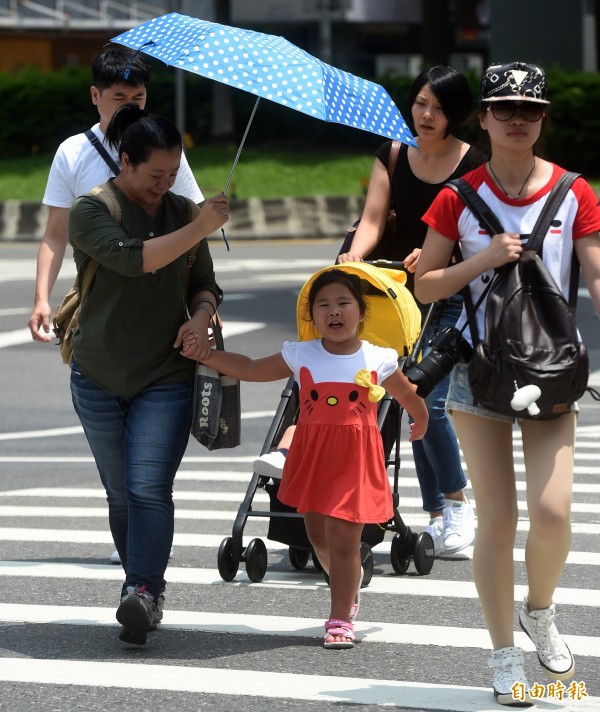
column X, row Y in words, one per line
column 214, row 213
column 195, row 341
column 503, row 248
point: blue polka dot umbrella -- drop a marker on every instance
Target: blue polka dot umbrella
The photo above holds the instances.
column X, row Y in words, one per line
column 270, row 67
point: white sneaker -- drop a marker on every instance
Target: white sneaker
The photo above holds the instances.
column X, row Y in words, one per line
column 459, row 525
column 270, row 465
column 116, row 559
column 436, row 529
column 511, row 686
column 553, row 653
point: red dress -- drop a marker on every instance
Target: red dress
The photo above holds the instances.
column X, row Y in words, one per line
column 336, row 465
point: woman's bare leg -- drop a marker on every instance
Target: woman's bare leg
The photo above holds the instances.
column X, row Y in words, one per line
column 548, row 447
column 488, row 450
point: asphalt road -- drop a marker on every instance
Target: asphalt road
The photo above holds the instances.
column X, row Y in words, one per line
column 238, row 645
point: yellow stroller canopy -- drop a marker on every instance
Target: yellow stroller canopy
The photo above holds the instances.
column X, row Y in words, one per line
column 393, row 318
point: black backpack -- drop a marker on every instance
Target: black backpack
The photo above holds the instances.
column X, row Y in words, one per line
column 530, row 329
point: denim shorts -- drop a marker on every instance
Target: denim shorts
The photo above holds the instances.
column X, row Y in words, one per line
column 460, row 397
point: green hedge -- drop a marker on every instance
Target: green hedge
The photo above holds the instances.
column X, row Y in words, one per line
column 38, row 110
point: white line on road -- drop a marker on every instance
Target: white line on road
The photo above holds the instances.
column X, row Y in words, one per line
column 247, row 624
column 254, row 683
column 299, row 580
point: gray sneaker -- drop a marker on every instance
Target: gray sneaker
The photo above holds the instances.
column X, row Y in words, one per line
column 137, row 613
column 511, row 686
column 553, row 653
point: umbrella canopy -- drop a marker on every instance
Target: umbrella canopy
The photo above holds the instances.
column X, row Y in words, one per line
column 270, row 67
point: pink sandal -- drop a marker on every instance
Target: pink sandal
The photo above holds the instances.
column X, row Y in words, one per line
column 343, row 629
column 355, row 607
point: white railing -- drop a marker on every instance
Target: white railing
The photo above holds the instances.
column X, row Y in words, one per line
column 94, row 14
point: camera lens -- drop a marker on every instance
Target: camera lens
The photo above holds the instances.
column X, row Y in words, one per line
column 430, row 371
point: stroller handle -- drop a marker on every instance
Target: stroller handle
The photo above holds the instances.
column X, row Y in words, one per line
column 391, row 264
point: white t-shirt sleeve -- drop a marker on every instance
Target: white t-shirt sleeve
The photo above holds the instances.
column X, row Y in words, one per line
column 59, row 191
column 388, row 364
column 289, row 352
column 185, row 183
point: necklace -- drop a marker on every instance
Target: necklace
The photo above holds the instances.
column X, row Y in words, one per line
column 518, row 195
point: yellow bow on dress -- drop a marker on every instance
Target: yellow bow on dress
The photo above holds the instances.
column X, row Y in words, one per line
column 363, row 378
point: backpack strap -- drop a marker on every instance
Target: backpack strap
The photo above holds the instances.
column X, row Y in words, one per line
column 97, row 144
column 542, row 225
column 106, row 193
column 476, row 205
column 553, row 202
column 193, row 211
column 393, row 159
column 488, row 220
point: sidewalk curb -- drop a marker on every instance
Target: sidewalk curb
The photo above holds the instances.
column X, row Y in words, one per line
column 252, row 219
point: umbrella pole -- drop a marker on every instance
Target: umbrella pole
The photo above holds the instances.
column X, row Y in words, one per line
column 236, row 161
column 241, row 145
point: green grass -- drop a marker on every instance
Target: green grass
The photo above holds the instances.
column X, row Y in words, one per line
column 261, row 173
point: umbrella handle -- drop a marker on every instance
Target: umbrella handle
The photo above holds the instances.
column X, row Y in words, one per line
column 241, row 146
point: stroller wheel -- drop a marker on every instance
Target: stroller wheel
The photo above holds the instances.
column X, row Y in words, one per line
column 316, row 562
column 298, row 557
column 228, row 568
column 424, row 553
column 399, row 555
column 256, row 560
column 366, row 561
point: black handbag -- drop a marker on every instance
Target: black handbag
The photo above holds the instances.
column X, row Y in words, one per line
column 216, row 413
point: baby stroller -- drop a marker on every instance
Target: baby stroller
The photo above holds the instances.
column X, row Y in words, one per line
column 393, row 320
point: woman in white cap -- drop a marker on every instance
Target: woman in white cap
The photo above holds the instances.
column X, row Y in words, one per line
column 515, row 183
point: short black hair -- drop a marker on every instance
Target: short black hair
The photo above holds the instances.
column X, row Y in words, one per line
column 452, row 90
column 138, row 133
column 110, row 66
column 338, row 276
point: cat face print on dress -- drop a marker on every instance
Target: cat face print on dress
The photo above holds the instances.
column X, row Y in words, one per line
column 323, row 400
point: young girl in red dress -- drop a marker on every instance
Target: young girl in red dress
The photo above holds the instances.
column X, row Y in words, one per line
column 335, row 473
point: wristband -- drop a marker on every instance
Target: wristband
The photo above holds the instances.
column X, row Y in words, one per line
column 206, row 310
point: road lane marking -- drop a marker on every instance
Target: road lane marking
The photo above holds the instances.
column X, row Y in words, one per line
column 272, row 685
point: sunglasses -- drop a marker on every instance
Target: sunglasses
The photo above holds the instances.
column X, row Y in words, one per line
column 507, row 110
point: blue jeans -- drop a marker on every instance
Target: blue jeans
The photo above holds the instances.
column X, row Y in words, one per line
column 138, row 444
column 437, row 457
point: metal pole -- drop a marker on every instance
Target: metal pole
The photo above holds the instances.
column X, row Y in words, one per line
column 325, row 31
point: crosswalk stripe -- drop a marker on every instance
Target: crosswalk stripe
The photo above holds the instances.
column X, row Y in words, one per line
column 273, row 685
column 396, row 585
column 367, row 631
column 237, row 497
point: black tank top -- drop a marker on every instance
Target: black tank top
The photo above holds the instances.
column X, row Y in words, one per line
column 411, row 199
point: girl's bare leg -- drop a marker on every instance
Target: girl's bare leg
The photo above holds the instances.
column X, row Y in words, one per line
column 548, row 447
column 488, row 451
column 340, row 558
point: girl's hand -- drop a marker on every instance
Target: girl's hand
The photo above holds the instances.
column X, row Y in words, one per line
column 195, row 339
column 417, row 430
column 410, row 261
column 503, row 248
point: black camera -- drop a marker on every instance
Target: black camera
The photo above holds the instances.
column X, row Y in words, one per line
column 447, row 348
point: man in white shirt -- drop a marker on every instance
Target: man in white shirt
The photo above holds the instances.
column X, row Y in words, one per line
column 78, row 167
